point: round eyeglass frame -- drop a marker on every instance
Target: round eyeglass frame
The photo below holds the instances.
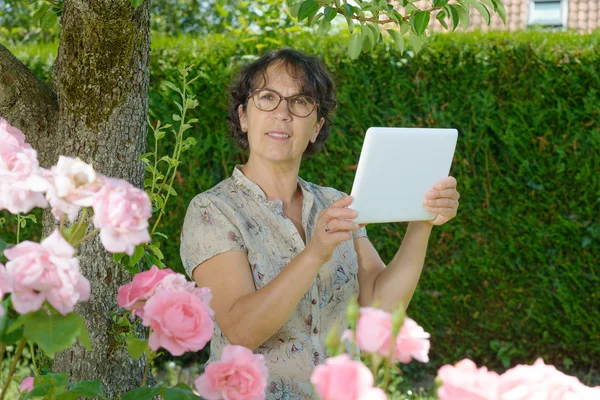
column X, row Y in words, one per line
column 281, row 98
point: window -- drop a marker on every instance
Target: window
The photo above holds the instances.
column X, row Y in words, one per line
column 548, row 13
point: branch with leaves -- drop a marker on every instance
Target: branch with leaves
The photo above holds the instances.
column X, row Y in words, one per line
column 366, row 18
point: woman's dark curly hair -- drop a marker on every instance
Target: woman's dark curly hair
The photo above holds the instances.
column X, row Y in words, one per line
column 314, row 81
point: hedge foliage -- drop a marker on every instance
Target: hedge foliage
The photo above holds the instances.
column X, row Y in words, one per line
column 515, row 275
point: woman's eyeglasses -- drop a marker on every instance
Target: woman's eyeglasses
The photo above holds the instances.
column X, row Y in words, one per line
column 299, row 105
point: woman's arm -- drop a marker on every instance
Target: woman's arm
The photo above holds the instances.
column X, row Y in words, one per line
column 399, row 280
column 249, row 317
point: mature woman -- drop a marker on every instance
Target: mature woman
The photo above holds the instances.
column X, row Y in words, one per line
column 282, row 255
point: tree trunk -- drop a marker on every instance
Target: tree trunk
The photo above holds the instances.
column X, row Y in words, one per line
column 101, row 78
column 26, row 102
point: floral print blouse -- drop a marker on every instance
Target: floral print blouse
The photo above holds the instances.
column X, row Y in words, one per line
column 235, row 215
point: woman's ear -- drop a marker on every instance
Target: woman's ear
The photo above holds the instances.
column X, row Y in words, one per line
column 243, row 119
column 318, row 127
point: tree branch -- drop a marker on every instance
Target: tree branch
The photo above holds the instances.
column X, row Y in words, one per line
column 25, row 101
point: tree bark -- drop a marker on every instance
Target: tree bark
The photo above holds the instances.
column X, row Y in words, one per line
column 26, row 102
column 101, row 78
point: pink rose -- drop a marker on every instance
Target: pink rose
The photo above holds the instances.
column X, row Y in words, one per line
column 465, row 381
column 11, row 137
column 133, row 296
column 21, row 181
column 180, row 322
column 412, row 342
column 26, row 384
column 374, row 331
column 240, row 375
column 541, row 381
column 45, row 271
column 341, row 378
column 121, row 212
column 72, row 184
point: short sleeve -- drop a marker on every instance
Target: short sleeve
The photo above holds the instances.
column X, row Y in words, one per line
column 207, row 231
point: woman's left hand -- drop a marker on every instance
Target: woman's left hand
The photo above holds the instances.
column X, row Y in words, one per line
column 442, row 199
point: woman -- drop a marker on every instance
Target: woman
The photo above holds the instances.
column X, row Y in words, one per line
column 281, row 255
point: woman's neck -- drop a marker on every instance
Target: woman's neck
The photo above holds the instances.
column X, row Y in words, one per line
column 278, row 181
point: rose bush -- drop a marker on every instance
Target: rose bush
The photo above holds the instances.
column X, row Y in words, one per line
column 44, row 284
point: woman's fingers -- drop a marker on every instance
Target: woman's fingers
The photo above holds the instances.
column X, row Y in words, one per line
column 337, row 225
column 448, row 193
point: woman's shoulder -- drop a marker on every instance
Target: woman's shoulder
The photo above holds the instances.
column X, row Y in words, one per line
column 327, row 193
column 222, row 195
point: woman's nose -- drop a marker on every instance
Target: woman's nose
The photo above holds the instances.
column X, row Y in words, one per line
column 282, row 111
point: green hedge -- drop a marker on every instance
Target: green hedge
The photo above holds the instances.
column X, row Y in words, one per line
column 515, row 275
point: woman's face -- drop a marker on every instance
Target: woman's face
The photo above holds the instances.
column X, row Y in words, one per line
column 278, row 136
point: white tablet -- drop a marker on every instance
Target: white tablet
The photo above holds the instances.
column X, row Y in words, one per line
column 396, row 168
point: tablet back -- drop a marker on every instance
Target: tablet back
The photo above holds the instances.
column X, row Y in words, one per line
column 397, row 167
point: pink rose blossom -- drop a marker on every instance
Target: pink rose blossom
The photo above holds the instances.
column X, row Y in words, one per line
column 412, row 342
column 544, row 382
column 342, row 378
column 464, row 381
column 21, row 181
column 374, row 331
column 121, row 211
column 45, row 271
column 11, row 137
column 239, row 375
column 26, row 384
column 133, row 296
column 180, row 322
column 72, row 184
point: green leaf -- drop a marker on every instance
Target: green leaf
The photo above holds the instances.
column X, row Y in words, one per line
column 180, row 393
column 350, row 22
column 117, row 257
column 136, row 347
column 83, row 336
column 142, row 393
column 53, row 333
column 3, row 245
column 308, row 9
column 416, row 43
column 463, row 15
column 485, row 14
column 376, row 33
column 324, row 27
column 330, row 13
column 489, row 3
column 176, row 117
column 368, row 39
column 354, row 46
column 151, row 260
column 161, row 234
column 441, row 18
column 154, row 248
column 397, row 37
column 439, row 3
column 83, row 388
column 136, row 3
column 37, row 16
column 13, row 331
column 500, row 10
column 419, row 21
column 455, row 16
column 137, row 255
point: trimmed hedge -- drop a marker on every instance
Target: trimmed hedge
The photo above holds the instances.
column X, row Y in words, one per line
column 513, row 277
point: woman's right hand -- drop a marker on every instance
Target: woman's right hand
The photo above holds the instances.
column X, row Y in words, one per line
column 333, row 227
